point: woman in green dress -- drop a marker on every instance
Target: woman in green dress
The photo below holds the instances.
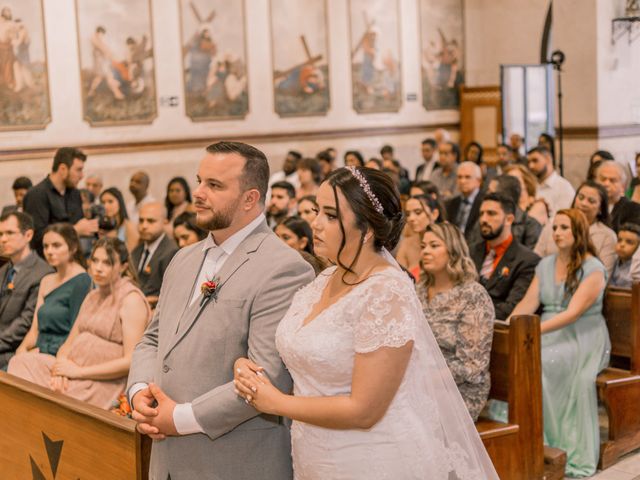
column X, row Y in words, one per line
column 59, row 297
column 575, row 342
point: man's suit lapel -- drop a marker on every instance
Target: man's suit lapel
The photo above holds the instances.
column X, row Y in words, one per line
column 4, row 300
column 506, row 260
column 18, row 280
column 238, row 258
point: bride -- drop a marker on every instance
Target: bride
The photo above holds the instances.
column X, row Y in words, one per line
column 373, row 398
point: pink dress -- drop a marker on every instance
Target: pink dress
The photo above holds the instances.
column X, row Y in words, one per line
column 99, row 340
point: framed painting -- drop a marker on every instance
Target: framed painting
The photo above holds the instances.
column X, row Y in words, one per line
column 441, row 39
column 300, row 57
column 375, row 55
column 214, row 59
column 24, row 84
column 115, row 47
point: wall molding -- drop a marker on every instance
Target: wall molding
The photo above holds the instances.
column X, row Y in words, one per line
column 603, row 131
column 201, row 142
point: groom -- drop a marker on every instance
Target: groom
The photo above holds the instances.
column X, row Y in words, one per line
column 221, row 299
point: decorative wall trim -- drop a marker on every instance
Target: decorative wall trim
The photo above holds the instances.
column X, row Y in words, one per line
column 201, row 142
column 604, row 131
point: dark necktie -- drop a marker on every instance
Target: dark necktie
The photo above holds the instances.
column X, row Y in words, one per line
column 463, row 215
column 145, row 257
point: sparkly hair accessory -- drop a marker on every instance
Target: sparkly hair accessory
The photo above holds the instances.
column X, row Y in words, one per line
column 377, row 206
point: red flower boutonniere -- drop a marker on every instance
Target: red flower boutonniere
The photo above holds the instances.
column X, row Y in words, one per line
column 147, row 269
column 10, row 287
column 504, row 272
column 209, row 289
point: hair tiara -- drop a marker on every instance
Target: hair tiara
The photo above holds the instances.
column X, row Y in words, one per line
column 377, row 206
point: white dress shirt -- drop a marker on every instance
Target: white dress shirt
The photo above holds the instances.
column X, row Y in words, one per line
column 557, row 192
column 133, row 208
column 215, row 257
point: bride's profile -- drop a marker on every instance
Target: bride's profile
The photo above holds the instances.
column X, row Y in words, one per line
column 373, row 397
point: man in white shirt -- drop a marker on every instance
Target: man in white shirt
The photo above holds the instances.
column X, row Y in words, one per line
column 554, row 189
column 424, row 170
column 139, row 188
column 288, row 173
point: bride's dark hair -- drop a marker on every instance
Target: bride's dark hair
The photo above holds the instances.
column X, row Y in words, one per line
column 386, row 226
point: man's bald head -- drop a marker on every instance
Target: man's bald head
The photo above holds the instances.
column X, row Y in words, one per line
column 139, row 185
column 153, row 218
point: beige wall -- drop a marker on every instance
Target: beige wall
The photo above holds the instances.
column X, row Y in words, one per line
column 501, row 32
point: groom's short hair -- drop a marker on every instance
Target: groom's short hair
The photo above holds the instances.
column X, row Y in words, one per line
column 255, row 173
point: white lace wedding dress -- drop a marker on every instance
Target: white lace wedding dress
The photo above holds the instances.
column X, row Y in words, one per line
column 426, row 433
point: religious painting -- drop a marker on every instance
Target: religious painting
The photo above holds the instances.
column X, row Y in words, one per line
column 375, row 55
column 24, row 86
column 115, row 44
column 214, row 60
column 441, row 53
column 300, row 55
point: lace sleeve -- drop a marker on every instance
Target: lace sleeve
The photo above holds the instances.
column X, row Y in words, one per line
column 388, row 318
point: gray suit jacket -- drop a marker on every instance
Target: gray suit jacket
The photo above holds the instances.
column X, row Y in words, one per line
column 17, row 307
column 189, row 351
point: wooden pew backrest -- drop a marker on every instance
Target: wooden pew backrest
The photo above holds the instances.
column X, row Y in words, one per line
column 97, row 444
column 622, row 314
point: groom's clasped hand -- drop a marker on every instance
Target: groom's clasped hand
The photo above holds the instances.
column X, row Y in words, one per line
column 153, row 410
column 252, row 384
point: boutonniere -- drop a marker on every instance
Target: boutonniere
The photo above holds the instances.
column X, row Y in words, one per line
column 10, row 287
column 147, row 269
column 209, row 289
column 504, row 272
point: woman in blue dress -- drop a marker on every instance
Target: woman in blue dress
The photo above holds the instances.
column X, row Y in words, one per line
column 569, row 285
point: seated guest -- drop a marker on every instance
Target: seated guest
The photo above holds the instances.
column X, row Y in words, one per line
column 505, row 156
column 525, row 228
column 93, row 363
column 462, row 210
column 626, row 247
column 554, row 189
column 308, row 208
column 327, row 161
column 310, row 175
column 20, row 187
column 282, row 203
column 569, row 286
column 374, row 163
column 398, row 174
column 506, row 266
column 444, row 178
column 178, row 199
column 547, row 141
column 289, row 170
column 139, row 188
column 420, row 211
column 60, row 294
column 595, row 161
column 353, row 158
column 185, row 230
column 115, row 223
column 20, row 278
column 155, row 251
column 93, row 182
column 591, row 200
column 296, row 232
column 473, row 153
column 613, row 177
column 424, row 170
column 56, row 198
column 458, row 310
column 529, row 202
column 634, row 187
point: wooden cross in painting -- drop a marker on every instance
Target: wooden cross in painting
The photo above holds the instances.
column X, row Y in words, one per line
column 310, row 61
column 200, row 18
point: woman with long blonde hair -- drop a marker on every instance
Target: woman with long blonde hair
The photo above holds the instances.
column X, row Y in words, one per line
column 569, row 285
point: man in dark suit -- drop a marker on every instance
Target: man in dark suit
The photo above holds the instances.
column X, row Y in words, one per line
column 613, row 177
column 462, row 210
column 505, row 266
column 20, row 187
column 423, row 172
column 152, row 256
column 20, row 279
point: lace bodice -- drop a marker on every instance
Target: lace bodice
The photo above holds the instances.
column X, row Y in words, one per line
column 407, row 442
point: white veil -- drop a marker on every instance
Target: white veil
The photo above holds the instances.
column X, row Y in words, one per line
column 462, row 453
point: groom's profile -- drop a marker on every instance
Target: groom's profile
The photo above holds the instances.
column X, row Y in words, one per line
column 180, row 382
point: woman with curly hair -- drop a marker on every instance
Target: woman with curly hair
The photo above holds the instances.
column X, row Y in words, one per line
column 569, row 285
column 459, row 311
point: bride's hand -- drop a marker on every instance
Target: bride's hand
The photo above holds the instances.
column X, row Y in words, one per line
column 257, row 390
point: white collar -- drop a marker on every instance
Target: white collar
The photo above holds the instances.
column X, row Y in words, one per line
column 231, row 243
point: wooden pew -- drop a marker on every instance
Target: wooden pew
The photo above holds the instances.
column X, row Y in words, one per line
column 619, row 385
column 516, row 447
column 49, row 435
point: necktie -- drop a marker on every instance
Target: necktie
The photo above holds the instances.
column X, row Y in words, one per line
column 145, row 257
column 8, row 280
column 463, row 215
column 487, row 265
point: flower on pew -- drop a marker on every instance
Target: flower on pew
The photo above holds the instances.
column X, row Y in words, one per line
column 209, row 289
column 121, row 406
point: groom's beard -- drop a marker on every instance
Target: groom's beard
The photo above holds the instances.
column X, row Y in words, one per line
column 221, row 219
